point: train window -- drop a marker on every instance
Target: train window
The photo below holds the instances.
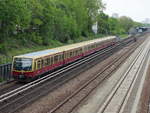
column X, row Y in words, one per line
column 62, row 57
column 59, row 57
column 97, row 44
column 45, row 62
column 92, row 46
column 22, row 64
column 76, row 52
column 65, row 55
column 49, row 61
column 70, row 53
column 38, row 64
column 42, row 62
column 73, row 53
column 35, row 65
column 79, row 52
column 55, row 58
column 52, row 61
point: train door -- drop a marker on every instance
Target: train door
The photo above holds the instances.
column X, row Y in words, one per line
column 38, row 66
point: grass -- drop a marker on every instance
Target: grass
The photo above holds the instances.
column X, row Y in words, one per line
column 16, row 47
column 1, row 80
column 123, row 35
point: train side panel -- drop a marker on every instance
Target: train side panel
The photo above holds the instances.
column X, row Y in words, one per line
column 51, row 62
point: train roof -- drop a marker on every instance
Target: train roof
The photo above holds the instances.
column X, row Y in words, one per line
column 47, row 52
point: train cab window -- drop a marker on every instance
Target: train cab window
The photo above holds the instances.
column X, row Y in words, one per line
column 24, row 64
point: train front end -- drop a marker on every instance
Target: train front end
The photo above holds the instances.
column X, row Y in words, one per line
column 22, row 69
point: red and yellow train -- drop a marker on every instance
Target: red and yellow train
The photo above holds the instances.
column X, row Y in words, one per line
column 29, row 66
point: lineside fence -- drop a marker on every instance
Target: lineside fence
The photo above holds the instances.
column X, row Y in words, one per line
column 5, row 72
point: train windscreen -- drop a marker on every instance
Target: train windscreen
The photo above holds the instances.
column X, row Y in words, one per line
column 22, row 64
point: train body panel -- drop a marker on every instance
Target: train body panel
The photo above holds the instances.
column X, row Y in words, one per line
column 32, row 65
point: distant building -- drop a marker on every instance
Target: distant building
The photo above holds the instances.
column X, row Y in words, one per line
column 95, row 28
column 115, row 15
column 146, row 21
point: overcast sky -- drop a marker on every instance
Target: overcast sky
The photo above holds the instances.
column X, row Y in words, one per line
column 136, row 9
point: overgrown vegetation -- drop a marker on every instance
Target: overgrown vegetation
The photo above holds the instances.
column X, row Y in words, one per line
column 29, row 25
column 1, row 80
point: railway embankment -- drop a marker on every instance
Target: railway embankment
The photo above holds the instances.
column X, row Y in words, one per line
column 58, row 98
column 126, row 91
column 64, row 90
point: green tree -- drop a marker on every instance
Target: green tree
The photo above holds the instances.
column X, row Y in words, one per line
column 126, row 23
column 15, row 16
column 103, row 24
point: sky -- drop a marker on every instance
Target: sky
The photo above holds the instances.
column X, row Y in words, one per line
column 138, row 10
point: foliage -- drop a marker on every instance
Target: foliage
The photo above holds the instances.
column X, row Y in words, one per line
column 15, row 16
column 32, row 23
column 47, row 19
column 1, row 80
column 103, row 23
column 115, row 26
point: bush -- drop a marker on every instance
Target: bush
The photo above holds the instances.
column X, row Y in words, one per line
column 1, row 80
column 3, row 48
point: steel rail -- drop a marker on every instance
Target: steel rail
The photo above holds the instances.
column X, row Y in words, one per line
column 107, row 102
column 50, row 76
column 117, row 46
column 85, row 85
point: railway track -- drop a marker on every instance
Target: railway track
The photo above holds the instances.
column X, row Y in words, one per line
column 14, row 85
column 79, row 95
column 16, row 99
column 117, row 99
